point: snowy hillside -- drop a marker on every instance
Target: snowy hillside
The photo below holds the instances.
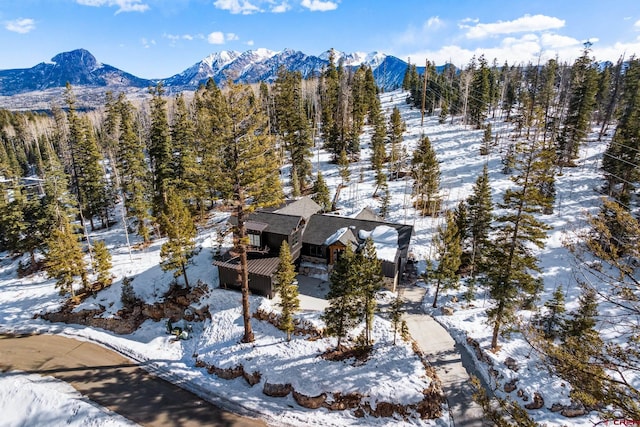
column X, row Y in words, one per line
column 395, row 374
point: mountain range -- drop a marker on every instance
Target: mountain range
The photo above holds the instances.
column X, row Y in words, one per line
column 81, row 69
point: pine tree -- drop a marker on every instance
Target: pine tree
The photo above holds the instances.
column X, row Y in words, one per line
column 287, row 287
column 621, row 159
column 396, row 316
column 553, row 321
column 102, row 264
column 369, row 275
column 87, row 171
column 449, row 251
column 480, row 216
column 321, row 193
column 343, row 311
column 330, row 109
column 479, row 96
column 426, row 174
column 178, row 225
column 160, row 149
column 292, row 125
column 512, row 264
column 188, row 174
column 396, row 130
column 580, row 108
column 64, row 259
column 132, row 170
column 386, row 199
column 249, row 170
column 485, row 148
column 343, row 167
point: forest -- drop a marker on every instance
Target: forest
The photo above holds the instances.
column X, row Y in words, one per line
column 158, row 167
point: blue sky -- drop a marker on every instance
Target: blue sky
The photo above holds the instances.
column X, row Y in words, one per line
column 159, row 38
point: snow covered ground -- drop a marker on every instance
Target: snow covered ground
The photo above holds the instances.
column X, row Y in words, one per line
column 393, row 375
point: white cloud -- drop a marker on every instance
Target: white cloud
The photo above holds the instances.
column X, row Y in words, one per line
column 123, row 5
column 217, row 37
column 526, row 23
column 319, row 5
column 553, row 41
column 250, row 43
column 281, row 8
column 243, row 7
column 147, row 43
column 636, row 25
column 231, row 37
column 434, row 23
column 21, row 25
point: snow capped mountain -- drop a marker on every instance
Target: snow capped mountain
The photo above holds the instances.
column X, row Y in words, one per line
column 82, row 70
column 78, row 67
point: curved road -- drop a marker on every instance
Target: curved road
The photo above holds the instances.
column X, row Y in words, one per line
column 114, row 382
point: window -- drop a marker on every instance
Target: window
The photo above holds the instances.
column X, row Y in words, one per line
column 254, row 240
column 315, row 251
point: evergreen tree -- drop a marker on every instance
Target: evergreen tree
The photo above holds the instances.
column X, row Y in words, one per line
column 479, row 96
column 292, row 125
column 480, row 216
column 369, row 274
column 511, row 261
column 321, row 193
column 188, row 174
column 449, row 251
column 287, row 287
column 160, row 149
column 553, row 321
column 426, row 174
column 88, row 174
column 444, row 112
column 579, row 110
column 132, row 170
column 344, row 309
column 396, row 129
column 386, row 199
column 178, row 225
column 102, row 264
column 396, row 316
column 64, row 259
column 343, row 167
column 249, row 167
column 621, row 159
column 330, row 109
column 485, row 148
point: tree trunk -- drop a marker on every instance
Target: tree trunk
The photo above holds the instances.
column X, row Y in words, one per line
column 435, row 298
column 184, row 274
column 496, row 326
column 244, row 269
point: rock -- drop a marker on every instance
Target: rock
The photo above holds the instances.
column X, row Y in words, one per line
column 276, row 390
column 510, row 386
column 346, row 401
column 229, row 373
column 511, row 363
column 252, row 379
column 384, row 409
column 538, row 402
column 447, row 311
column 311, row 402
column 556, row 407
column 572, row 412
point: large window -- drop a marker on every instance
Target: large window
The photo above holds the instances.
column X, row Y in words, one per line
column 315, row 251
column 254, row 240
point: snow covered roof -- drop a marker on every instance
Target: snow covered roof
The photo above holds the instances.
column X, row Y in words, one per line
column 385, row 240
column 321, row 227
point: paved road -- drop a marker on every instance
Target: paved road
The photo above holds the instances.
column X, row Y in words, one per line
column 114, row 382
column 447, row 357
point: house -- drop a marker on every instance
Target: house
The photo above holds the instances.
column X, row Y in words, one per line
column 326, row 235
column 315, row 240
column 266, row 232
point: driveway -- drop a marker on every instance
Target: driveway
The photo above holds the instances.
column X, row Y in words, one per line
column 446, row 356
column 113, row 381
